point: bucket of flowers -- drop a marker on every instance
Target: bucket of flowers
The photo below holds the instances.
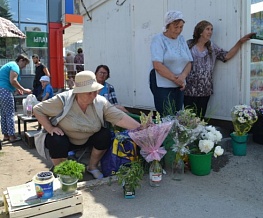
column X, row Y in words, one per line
column 243, row 118
column 201, row 151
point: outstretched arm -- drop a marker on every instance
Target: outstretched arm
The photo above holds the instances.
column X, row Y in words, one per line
column 238, row 45
column 46, row 71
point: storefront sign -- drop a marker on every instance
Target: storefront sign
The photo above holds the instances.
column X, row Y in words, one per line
column 36, row 39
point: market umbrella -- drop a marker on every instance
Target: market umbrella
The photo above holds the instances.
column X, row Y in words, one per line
column 9, row 29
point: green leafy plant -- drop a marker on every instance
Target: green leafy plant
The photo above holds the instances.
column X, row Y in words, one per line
column 70, row 168
column 130, row 174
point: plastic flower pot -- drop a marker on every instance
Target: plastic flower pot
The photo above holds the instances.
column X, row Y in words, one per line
column 239, row 144
column 128, row 192
column 68, row 183
column 200, row 164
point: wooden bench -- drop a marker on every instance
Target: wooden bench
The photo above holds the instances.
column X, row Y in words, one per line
column 18, row 99
column 29, row 138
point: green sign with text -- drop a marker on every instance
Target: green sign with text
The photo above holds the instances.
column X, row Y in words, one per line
column 36, row 39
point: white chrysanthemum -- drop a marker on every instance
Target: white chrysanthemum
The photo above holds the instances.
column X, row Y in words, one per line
column 205, row 145
column 218, row 151
column 210, row 128
column 218, row 136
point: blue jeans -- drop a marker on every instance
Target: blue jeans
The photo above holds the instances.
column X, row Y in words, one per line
column 166, row 100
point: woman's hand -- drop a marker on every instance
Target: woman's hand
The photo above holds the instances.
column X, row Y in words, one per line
column 28, row 91
column 246, row 37
column 177, row 80
column 232, row 52
column 56, row 130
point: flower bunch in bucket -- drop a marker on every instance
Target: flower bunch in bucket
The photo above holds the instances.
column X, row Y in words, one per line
column 243, row 118
column 185, row 130
column 208, row 141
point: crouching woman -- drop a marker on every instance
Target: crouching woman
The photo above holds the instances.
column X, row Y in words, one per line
column 82, row 115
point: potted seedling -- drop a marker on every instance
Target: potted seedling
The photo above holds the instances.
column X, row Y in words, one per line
column 129, row 176
column 69, row 172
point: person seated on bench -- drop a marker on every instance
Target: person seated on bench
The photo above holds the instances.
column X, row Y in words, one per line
column 47, row 88
column 102, row 74
column 82, row 121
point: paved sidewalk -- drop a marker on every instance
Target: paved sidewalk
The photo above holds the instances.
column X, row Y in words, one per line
column 234, row 191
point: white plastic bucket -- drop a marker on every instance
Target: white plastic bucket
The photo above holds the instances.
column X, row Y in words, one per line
column 44, row 184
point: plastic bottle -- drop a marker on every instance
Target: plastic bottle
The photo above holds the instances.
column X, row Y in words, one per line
column 155, row 173
column 29, row 107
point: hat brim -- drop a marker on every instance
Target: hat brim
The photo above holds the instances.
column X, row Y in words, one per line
column 94, row 87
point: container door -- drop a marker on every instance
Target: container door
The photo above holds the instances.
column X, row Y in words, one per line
column 256, row 61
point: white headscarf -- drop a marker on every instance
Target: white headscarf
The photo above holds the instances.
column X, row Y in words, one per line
column 171, row 16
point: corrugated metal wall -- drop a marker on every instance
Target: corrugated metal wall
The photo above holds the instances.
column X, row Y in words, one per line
column 120, row 37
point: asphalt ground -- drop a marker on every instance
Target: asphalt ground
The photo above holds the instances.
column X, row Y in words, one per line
column 234, row 188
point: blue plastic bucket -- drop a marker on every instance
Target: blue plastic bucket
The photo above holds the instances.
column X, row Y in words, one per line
column 44, row 184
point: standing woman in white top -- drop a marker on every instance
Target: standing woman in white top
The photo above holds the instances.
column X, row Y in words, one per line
column 171, row 63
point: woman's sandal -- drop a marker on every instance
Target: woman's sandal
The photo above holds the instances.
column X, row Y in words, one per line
column 16, row 139
column 95, row 173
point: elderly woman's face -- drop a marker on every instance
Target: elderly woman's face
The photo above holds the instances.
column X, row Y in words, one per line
column 207, row 33
column 102, row 75
column 175, row 28
column 87, row 97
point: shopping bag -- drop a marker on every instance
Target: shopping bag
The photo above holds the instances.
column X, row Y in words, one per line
column 122, row 150
column 33, row 100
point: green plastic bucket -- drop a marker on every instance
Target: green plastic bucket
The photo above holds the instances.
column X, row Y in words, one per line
column 200, row 164
column 239, row 144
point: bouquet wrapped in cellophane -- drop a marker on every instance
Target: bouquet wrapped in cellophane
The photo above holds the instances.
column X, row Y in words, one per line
column 151, row 136
column 185, row 130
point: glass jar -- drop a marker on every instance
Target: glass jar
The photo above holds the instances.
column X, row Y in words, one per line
column 155, row 173
column 178, row 168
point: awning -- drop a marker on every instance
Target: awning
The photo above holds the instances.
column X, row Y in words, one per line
column 72, row 34
column 9, row 29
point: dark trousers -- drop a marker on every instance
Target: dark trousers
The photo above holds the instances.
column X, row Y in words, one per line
column 166, row 100
column 59, row 146
column 37, row 91
column 199, row 104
